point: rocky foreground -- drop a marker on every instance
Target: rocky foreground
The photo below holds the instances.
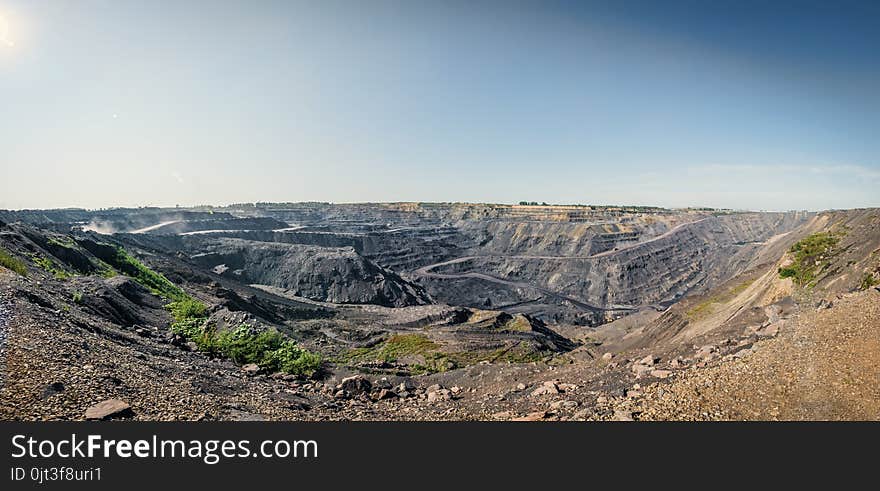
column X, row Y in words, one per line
column 821, row 366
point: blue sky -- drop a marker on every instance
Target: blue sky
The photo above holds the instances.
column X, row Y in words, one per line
column 752, row 105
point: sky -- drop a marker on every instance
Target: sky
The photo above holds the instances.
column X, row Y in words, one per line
column 746, row 105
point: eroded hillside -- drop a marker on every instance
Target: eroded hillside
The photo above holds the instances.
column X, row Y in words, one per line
column 418, row 311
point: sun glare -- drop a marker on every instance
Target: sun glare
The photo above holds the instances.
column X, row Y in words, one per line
column 4, row 33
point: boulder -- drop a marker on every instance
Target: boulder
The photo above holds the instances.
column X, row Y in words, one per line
column 107, row 409
column 567, row 387
column 769, row 330
column 706, row 352
column 661, row 373
column 355, row 385
column 384, row 394
column 640, row 370
column 407, row 385
column 439, row 395
column 535, row 416
column 563, row 405
column 547, row 388
column 648, row 360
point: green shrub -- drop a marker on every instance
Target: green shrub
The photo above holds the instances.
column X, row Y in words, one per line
column 189, row 316
column 187, row 308
column 12, row 263
column 290, row 358
column 77, row 297
column 811, row 255
column 868, row 280
column 269, row 349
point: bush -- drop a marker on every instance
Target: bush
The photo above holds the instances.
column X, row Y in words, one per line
column 269, row 349
column 187, row 308
column 77, row 297
column 189, row 316
column 811, row 256
column 12, row 263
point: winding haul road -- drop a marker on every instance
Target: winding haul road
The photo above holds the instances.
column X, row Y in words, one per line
column 517, row 284
column 426, row 271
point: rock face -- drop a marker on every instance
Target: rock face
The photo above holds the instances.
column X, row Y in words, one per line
column 640, row 264
column 124, row 301
column 338, row 275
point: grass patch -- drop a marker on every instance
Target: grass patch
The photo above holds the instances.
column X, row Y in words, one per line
column 868, row 281
column 50, row 266
column 707, row 306
column 187, row 308
column 153, row 281
column 77, row 297
column 518, row 323
column 812, row 255
column 269, row 349
column 66, row 242
column 519, row 353
column 400, row 345
column 105, row 270
column 12, row 263
column 396, row 346
column 189, row 316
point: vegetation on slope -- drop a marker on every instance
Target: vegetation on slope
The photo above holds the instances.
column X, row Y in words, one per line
column 707, row 307
column 50, row 266
column 269, row 349
column 436, row 360
column 812, row 255
column 153, row 281
column 12, row 263
column 868, row 281
column 394, row 347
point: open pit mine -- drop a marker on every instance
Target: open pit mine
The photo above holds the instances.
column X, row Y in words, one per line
column 429, row 311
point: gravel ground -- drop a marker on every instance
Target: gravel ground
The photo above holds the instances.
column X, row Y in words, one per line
column 822, row 366
column 5, row 315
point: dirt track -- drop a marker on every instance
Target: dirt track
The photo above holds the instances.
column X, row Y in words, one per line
column 425, row 272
